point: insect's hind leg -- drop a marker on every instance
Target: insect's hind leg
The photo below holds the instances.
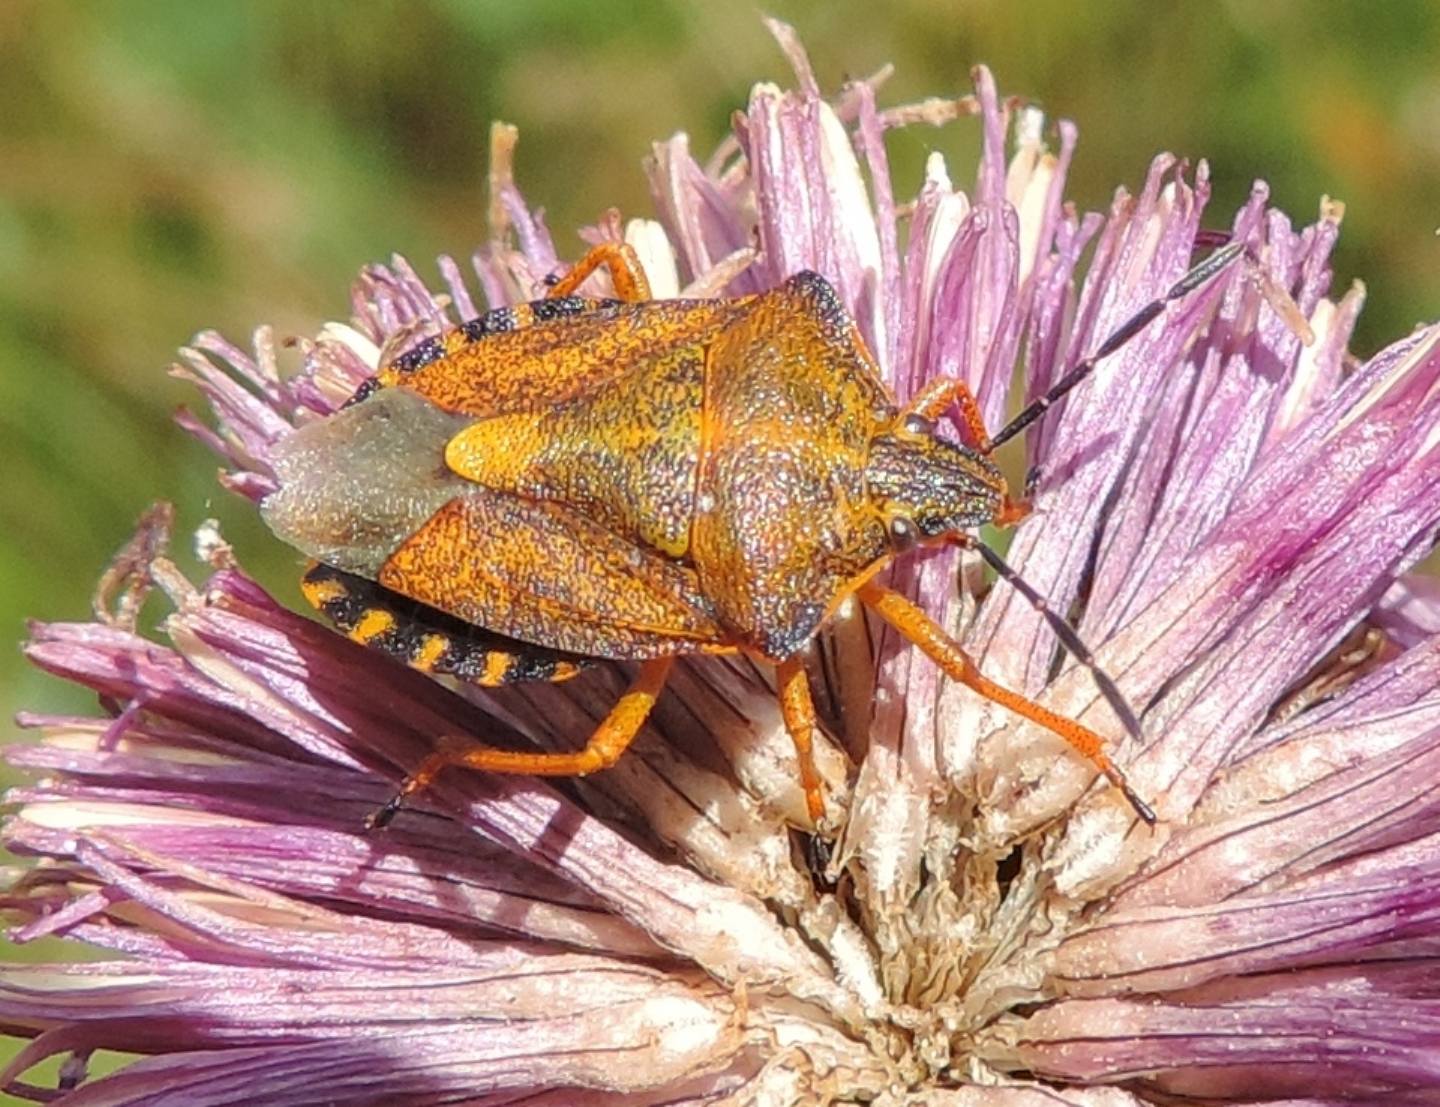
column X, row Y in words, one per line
column 604, row 747
column 623, row 264
column 920, row 629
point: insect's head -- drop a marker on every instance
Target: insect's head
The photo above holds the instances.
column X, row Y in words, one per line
column 926, row 487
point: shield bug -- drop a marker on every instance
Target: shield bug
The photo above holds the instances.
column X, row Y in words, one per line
column 631, row 479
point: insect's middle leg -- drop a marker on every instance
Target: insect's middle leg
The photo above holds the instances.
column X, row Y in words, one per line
column 920, row 629
column 799, row 712
column 609, row 740
column 623, row 263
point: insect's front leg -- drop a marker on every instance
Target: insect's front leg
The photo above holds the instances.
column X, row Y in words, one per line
column 924, row 632
column 937, row 397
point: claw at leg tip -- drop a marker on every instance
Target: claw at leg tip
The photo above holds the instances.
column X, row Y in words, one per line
column 1143, row 809
column 383, row 817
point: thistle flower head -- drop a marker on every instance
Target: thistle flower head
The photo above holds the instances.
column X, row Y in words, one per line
column 1226, row 511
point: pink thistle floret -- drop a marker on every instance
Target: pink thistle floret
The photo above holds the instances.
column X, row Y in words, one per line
column 1228, row 507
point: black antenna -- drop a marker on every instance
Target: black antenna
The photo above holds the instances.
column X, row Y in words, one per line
column 1127, row 330
column 1068, row 638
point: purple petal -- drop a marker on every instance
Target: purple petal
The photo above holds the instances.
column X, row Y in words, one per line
column 1144, row 249
column 1285, row 1043
column 704, row 220
column 1315, row 537
column 813, row 208
column 1377, row 804
column 373, row 1036
column 244, row 654
column 1410, row 611
column 1346, row 913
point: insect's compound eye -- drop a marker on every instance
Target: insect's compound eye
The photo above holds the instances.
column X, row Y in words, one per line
column 904, row 534
column 918, row 424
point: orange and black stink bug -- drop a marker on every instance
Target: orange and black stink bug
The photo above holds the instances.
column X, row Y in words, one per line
column 633, row 479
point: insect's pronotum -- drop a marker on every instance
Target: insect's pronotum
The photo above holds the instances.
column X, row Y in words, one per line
column 577, row 479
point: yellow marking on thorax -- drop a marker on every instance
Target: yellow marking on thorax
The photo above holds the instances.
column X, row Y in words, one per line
column 372, row 624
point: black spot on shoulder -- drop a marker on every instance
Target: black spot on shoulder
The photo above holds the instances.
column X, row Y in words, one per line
column 822, row 297
column 790, row 634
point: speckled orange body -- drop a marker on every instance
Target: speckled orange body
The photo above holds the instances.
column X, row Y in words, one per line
column 644, row 479
column 575, row 479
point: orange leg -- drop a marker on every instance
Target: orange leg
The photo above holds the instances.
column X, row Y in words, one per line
column 935, row 399
column 606, row 744
column 623, row 264
column 799, row 712
column 920, row 629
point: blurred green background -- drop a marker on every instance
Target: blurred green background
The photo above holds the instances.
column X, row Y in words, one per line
column 167, row 165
